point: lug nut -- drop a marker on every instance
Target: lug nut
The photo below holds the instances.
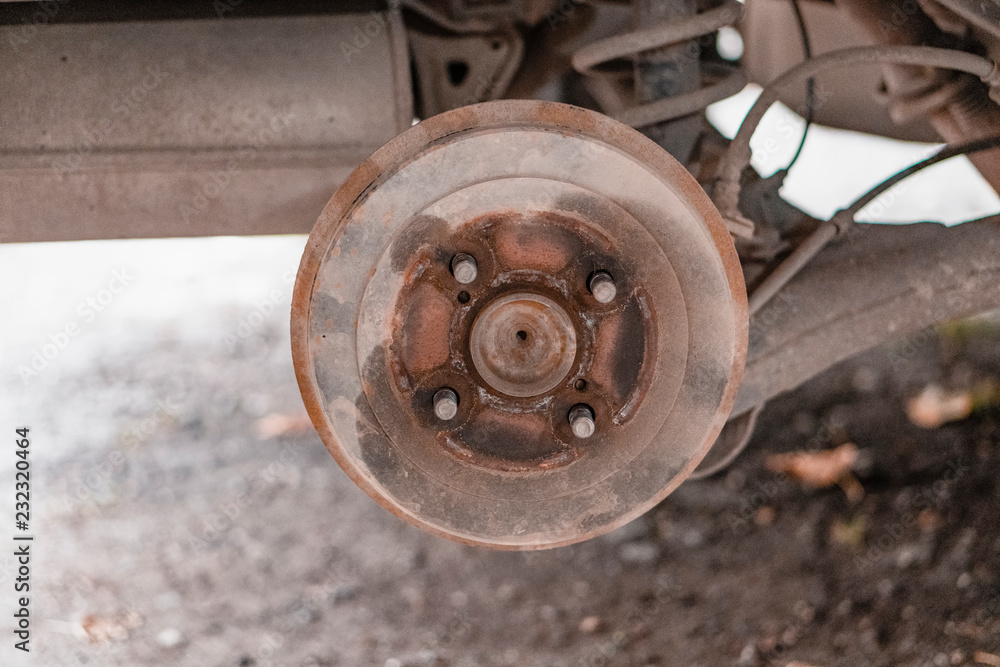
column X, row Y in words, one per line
column 581, row 421
column 445, row 404
column 602, row 286
column 464, row 268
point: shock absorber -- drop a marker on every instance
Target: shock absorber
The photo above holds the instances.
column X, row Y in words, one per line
column 663, row 57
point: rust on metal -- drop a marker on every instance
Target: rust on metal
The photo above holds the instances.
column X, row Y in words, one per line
column 526, row 334
column 513, row 408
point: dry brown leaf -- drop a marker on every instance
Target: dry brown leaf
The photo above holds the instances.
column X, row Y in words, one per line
column 935, row 407
column 816, row 469
column 274, row 425
column 984, row 658
column 114, row 627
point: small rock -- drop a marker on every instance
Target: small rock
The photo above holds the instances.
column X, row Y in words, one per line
column 170, row 638
column 919, row 552
column 639, row 552
column 693, row 538
column 748, row 656
column 425, row 658
column 764, row 516
column 805, row 611
column 345, row 592
column 590, row 625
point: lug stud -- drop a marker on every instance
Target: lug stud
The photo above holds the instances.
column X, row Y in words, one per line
column 445, row 404
column 602, row 286
column 464, row 268
column 581, row 420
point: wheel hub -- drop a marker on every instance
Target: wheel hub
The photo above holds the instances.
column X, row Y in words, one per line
column 519, row 325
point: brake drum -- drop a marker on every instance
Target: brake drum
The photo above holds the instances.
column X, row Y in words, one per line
column 519, row 324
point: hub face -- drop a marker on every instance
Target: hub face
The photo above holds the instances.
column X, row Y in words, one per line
column 523, row 344
column 519, row 325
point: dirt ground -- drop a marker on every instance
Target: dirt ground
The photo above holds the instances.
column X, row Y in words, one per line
column 187, row 516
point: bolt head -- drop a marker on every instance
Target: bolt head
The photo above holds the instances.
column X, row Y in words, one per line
column 603, row 287
column 464, row 268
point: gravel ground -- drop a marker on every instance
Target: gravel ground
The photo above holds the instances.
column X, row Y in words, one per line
column 185, row 514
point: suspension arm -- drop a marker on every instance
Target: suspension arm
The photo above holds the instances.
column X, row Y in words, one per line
column 877, row 284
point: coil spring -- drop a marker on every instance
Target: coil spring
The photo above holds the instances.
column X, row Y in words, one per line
column 589, row 59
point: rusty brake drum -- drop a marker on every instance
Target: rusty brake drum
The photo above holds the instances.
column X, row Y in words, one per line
column 519, row 324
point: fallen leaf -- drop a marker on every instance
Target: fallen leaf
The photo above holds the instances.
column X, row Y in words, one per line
column 816, row 469
column 984, row 658
column 274, row 425
column 113, row 627
column 934, row 407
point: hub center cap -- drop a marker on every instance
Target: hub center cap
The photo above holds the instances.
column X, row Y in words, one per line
column 523, row 344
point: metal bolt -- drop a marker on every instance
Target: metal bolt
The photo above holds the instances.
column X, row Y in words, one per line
column 445, row 404
column 602, row 286
column 581, row 421
column 464, row 268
